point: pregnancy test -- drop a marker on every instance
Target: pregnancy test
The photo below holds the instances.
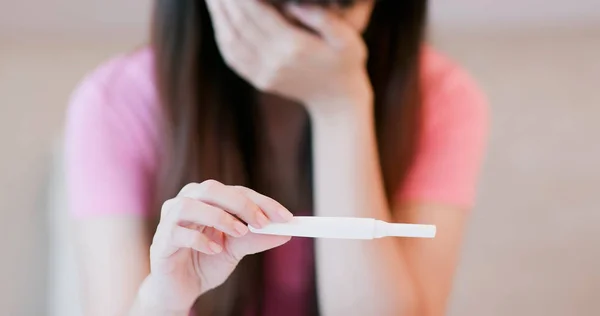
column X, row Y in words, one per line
column 345, row 228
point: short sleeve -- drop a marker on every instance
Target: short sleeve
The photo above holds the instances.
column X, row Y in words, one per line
column 452, row 142
column 107, row 161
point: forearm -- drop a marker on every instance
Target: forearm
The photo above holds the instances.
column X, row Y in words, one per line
column 355, row 277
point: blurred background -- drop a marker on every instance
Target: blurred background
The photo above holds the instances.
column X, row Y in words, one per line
column 533, row 246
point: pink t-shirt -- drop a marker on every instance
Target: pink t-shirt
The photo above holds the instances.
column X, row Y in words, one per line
column 112, row 146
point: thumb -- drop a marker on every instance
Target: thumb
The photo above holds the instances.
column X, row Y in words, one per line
column 254, row 243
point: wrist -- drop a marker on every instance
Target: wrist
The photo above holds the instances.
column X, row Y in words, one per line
column 355, row 98
column 343, row 114
column 152, row 299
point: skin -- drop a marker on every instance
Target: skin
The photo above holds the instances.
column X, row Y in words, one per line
column 198, row 242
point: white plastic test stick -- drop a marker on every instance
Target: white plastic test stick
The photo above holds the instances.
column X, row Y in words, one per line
column 345, row 228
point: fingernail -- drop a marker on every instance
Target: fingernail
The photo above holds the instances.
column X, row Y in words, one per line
column 216, row 248
column 262, row 219
column 240, row 228
column 285, row 214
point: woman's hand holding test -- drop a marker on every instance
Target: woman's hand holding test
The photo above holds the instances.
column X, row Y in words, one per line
column 200, row 240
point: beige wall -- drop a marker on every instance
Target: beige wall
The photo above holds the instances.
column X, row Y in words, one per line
column 532, row 247
column 513, row 14
column 59, row 19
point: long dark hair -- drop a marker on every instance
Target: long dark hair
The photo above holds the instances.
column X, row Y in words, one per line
column 212, row 124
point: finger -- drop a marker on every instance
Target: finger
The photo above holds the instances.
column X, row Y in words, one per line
column 331, row 27
column 223, row 32
column 236, row 52
column 245, row 28
column 226, row 198
column 186, row 210
column 182, row 237
column 253, row 243
column 272, row 208
column 215, row 235
column 265, row 17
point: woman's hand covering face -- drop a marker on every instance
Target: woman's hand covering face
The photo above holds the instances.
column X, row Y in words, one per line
column 260, row 44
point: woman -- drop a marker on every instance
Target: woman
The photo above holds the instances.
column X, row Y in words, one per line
column 235, row 101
